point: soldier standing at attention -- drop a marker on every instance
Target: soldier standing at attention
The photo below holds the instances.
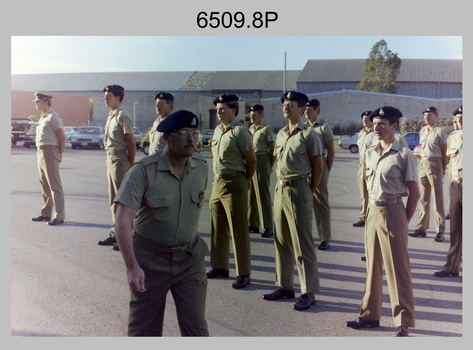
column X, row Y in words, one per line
column 164, row 102
column 234, row 164
column 321, row 203
column 161, row 197
column 50, row 142
column 455, row 152
column 365, row 138
column 119, row 142
column 263, row 141
column 299, row 170
column 391, row 173
column 432, row 169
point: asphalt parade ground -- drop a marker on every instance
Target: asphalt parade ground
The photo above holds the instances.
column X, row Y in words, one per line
column 64, row 285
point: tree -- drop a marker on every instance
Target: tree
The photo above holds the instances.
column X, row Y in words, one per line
column 380, row 70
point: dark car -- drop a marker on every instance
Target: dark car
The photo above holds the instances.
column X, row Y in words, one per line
column 412, row 139
column 207, row 135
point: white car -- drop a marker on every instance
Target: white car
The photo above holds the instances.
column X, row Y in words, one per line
column 88, row 136
column 349, row 143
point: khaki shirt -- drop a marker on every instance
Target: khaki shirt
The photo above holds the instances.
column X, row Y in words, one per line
column 262, row 135
column 431, row 140
column 364, row 140
column 117, row 126
column 455, row 152
column 46, row 129
column 386, row 175
column 156, row 138
column 294, row 150
column 228, row 146
column 168, row 208
column 324, row 133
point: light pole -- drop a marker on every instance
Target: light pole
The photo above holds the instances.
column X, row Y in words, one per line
column 134, row 114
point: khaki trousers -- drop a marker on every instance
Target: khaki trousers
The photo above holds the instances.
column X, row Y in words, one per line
column 386, row 235
column 363, row 190
column 229, row 217
column 262, row 175
column 118, row 163
column 322, row 207
column 454, row 254
column 431, row 179
column 293, row 239
column 183, row 274
column 49, row 159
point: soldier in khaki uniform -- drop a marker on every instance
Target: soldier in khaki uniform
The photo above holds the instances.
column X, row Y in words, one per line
column 299, row 170
column 321, row 203
column 161, row 196
column 455, row 152
column 119, row 142
column 391, row 173
column 263, row 141
column 364, row 140
column 50, row 142
column 432, row 169
column 164, row 102
column 234, row 164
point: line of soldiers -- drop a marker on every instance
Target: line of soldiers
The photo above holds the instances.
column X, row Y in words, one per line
column 156, row 202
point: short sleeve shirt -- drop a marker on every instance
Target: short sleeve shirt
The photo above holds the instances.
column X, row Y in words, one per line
column 364, row 140
column 167, row 207
column 325, row 134
column 262, row 136
column 387, row 174
column 229, row 144
column 431, row 140
column 294, row 151
column 156, row 138
column 455, row 152
column 117, row 126
column 48, row 124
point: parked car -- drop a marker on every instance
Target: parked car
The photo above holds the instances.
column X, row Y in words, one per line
column 207, row 135
column 88, row 136
column 349, row 143
column 137, row 135
column 145, row 143
column 69, row 131
column 417, row 150
column 19, row 128
column 29, row 139
column 412, row 139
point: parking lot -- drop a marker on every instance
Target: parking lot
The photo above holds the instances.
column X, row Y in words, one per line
column 64, row 284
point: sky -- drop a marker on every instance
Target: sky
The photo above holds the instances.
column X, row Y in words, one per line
column 91, row 53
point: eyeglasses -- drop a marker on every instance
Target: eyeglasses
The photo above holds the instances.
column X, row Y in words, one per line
column 184, row 133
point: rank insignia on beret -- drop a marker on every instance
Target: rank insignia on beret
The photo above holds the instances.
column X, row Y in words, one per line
column 381, row 112
column 220, row 98
column 460, row 109
column 194, row 122
column 289, row 95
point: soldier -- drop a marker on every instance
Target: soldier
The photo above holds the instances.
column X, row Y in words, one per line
column 364, row 140
column 391, row 173
column 50, row 142
column 119, row 142
column 455, row 152
column 234, row 163
column 321, row 203
column 164, row 102
column 263, row 141
column 161, row 196
column 432, row 169
column 299, row 170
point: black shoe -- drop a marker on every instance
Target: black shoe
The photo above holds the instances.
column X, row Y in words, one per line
column 115, row 248
column 241, row 282
column 447, row 216
column 305, row 301
column 56, row 222
column 254, row 229
column 418, row 233
column 217, row 273
column 324, row 245
column 440, row 237
column 402, row 331
column 359, row 224
column 445, row 274
column 41, row 218
column 362, row 323
column 280, row 293
column 363, row 258
column 267, row 233
column 108, row 241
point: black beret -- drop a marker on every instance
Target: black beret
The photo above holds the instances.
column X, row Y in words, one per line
column 430, row 109
column 114, row 88
column 164, row 96
column 459, row 110
column 387, row 112
column 178, row 119
column 226, row 98
column 294, row 96
column 313, row 103
column 257, row 108
column 367, row 113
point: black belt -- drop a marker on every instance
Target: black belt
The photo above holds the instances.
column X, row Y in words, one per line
column 162, row 248
column 385, row 202
column 285, row 183
column 228, row 176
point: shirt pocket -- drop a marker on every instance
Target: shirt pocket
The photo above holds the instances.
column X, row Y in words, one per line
column 161, row 204
column 197, row 199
